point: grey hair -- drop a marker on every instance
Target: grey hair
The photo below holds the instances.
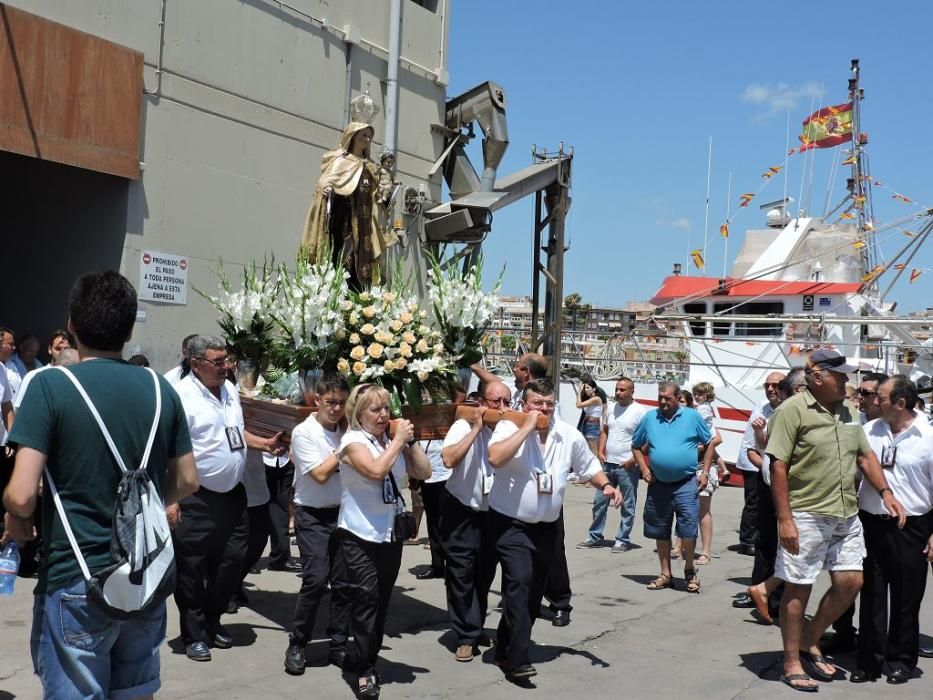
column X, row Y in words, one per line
column 673, row 386
column 199, row 344
column 796, row 377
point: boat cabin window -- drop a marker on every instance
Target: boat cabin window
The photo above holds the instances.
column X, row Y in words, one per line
column 749, row 330
column 696, row 327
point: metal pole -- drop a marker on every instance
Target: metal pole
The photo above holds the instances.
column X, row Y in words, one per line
column 709, row 170
column 535, row 273
column 395, row 53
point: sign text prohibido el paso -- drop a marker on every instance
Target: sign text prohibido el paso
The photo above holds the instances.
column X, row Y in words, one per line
column 163, row 277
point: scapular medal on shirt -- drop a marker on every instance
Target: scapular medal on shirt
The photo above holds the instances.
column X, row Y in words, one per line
column 888, row 456
column 545, row 484
column 487, row 483
column 234, row 438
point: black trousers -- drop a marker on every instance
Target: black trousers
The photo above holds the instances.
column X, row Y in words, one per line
column 895, row 567
column 322, row 561
column 434, row 497
column 372, row 568
column 557, row 590
column 471, row 567
column 259, row 524
column 210, row 546
column 748, row 527
column 280, row 481
column 766, row 549
column 524, row 551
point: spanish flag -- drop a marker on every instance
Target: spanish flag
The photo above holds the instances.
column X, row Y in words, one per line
column 914, row 274
column 697, row 256
column 827, row 127
column 744, row 199
column 724, row 230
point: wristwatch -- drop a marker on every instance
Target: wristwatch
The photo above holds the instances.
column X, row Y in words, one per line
column 881, row 492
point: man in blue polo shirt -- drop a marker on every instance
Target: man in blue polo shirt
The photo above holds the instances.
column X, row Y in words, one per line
column 672, row 437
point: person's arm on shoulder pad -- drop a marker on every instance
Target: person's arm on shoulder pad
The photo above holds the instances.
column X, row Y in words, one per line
column 501, row 452
column 454, row 454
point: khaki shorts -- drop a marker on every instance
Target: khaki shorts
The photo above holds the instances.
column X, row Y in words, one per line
column 833, row 544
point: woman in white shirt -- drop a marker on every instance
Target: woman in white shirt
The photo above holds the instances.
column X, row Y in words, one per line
column 591, row 419
column 370, row 500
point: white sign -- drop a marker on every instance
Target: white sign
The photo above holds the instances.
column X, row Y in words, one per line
column 163, row 277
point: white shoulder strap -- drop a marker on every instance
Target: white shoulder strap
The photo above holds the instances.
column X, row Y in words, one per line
column 59, row 506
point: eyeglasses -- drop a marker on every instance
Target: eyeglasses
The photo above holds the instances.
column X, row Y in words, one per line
column 866, row 393
column 219, row 363
column 334, row 404
column 542, row 404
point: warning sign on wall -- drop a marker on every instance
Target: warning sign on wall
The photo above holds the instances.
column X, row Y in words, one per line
column 163, row 277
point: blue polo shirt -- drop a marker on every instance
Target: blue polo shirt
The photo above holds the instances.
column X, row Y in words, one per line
column 672, row 444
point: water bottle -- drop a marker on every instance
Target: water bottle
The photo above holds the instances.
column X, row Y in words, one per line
column 9, row 566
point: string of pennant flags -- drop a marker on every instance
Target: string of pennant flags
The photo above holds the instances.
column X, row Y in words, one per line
column 826, row 128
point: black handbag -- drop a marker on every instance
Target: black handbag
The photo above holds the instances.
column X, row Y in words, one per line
column 405, row 525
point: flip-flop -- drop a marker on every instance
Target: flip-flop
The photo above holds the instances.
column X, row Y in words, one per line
column 703, row 560
column 810, row 662
column 789, row 681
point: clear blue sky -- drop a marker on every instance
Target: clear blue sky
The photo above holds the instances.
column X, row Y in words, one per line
column 637, row 88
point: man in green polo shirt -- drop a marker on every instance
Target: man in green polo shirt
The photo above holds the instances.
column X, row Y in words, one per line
column 815, row 442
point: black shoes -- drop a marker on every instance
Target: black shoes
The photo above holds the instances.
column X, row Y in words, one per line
column 860, row 675
column 743, row 601
column 295, row 659
column 222, row 638
column 521, row 673
column 337, row 657
column 198, row 651
column 926, row 652
column 561, row 618
column 429, row 574
column 290, row 565
column 898, row 676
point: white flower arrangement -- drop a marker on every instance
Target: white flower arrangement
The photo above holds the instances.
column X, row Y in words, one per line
column 462, row 310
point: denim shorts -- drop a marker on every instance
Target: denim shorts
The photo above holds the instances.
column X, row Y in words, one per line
column 80, row 652
column 591, row 431
column 663, row 501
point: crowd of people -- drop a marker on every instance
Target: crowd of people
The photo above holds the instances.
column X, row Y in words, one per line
column 828, row 485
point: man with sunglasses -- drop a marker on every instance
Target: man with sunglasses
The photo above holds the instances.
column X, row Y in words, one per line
column 211, row 526
column 868, row 395
column 471, row 560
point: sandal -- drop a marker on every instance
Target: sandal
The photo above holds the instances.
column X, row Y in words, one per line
column 692, row 580
column 793, row 681
column 703, row 560
column 661, row 582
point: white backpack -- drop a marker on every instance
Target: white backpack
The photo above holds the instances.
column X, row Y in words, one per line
column 143, row 571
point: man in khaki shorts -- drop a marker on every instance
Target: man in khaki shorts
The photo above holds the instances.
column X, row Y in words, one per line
column 815, row 442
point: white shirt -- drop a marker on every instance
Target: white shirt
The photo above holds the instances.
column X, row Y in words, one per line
column 621, row 422
column 219, row 467
column 173, row 376
column 9, row 386
column 466, row 479
column 706, row 413
column 911, row 478
column 748, row 440
column 439, row 472
column 362, row 509
column 254, row 479
column 18, row 397
column 311, row 446
column 515, row 489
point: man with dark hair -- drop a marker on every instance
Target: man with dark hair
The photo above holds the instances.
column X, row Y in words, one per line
column 524, row 507
column 671, row 438
column 59, row 340
column 895, row 571
column 211, row 526
column 868, row 395
column 183, row 368
column 815, row 443
column 56, row 431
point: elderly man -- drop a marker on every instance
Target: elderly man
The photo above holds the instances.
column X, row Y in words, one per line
column 524, row 509
column 815, row 443
column 211, row 525
column 471, row 559
column 672, row 437
column 895, row 567
column 25, row 359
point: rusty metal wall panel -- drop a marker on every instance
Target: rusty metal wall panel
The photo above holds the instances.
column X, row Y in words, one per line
column 67, row 96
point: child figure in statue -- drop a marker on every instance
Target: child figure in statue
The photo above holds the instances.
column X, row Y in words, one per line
column 345, row 216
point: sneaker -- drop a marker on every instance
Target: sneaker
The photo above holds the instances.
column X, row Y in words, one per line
column 464, row 653
column 589, row 544
column 620, row 547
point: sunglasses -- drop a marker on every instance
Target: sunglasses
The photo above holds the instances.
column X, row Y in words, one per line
column 866, row 393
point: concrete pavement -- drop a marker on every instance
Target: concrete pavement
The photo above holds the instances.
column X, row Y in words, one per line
column 624, row 639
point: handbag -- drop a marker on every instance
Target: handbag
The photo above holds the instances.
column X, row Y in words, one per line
column 405, row 525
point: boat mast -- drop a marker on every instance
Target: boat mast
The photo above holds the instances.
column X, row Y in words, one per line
column 868, row 254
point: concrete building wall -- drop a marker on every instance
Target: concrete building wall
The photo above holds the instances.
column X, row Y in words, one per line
column 239, row 107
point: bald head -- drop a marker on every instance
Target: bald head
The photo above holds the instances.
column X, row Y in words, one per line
column 67, row 357
column 530, row 366
column 772, row 382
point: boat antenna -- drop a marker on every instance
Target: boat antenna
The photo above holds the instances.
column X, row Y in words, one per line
column 786, row 157
column 709, row 169
column 725, row 248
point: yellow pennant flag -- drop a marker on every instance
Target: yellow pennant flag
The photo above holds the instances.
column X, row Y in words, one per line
column 858, row 245
column 914, row 274
column 875, row 272
column 849, row 161
column 859, row 200
column 724, row 230
column 744, row 199
column 899, row 266
column 847, row 215
column 772, row 171
column 697, row 256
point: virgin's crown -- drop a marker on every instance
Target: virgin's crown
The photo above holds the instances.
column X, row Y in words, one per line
column 363, row 108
